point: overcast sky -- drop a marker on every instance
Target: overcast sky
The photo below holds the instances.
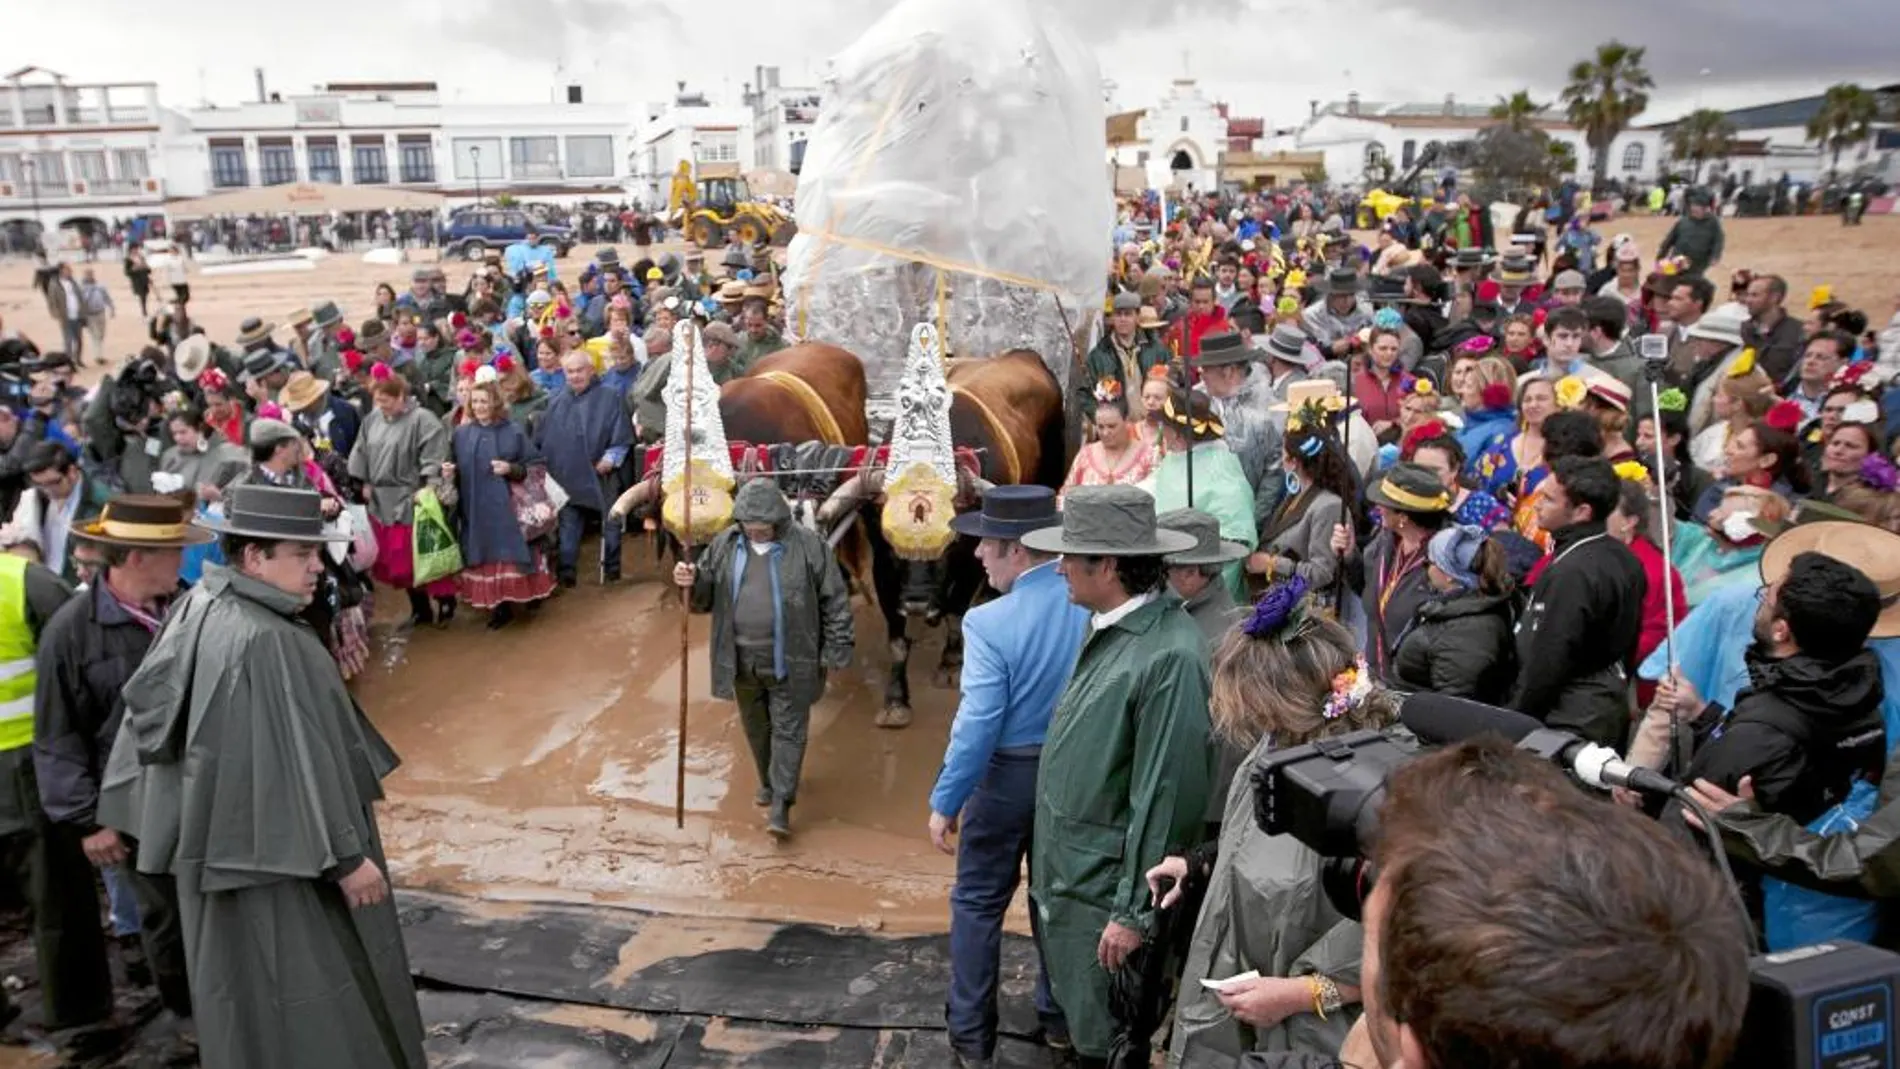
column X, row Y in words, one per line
column 1267, row 57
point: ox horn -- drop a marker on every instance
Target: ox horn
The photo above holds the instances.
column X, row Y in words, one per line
column 636, row 496
column 851, row 493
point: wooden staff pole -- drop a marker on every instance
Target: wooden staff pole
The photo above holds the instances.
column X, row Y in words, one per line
column 686, row 594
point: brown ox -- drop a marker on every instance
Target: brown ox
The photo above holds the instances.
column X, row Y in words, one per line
column 807, row 393
column 1008, row 409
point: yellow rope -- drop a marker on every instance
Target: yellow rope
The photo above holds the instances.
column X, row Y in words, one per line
column 815, row 406
column 857, row 177
column 1005, row 445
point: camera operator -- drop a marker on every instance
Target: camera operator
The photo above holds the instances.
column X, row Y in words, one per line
column 1516, row 921
column 1283, row 678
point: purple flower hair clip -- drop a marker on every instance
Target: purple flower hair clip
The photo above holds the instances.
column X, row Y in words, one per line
column 1879, row 473
column 1282, row 605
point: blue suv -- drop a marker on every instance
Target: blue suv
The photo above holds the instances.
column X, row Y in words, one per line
column 473, row 231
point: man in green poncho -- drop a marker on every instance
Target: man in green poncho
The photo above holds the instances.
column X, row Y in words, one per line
column 246, row 772
column 1125, row 768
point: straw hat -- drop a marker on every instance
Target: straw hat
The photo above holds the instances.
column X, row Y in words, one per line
column 302, row 390
column 1874, row 551
column 191, row 357
column 1150, row 319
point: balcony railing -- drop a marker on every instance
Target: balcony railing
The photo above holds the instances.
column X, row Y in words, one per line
column 230, row 179
column 115, row 187
column 529, row 169
column 332, row 175
column 276, row 176
column 418, row 174
column 372, row 176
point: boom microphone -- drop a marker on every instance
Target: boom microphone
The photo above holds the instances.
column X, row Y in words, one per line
column 1437, row 718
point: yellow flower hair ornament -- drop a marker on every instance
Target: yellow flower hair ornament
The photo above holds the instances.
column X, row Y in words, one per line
column 1571, row 390
column 1744, row 364
column 1632, row 471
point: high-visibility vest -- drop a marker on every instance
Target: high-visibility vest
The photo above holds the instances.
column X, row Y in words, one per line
column 17, row 676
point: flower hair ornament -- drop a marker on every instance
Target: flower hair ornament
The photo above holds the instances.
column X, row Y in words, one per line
column 1879, row 473
column 466, row 369
column 505, row 364
column 1851, row 375
column 1318, row 412
column 1421, row 434
column 1571, row 390
column 1416, row 384
column 1672, row 400
column 1108, row 390
column 1281, row 613
column 380, row 372
column 1351, row 688
column 1159, row 373
column 1632, row 471
column 1211, row 427
column 1495, row 395
column 1477, row 345
column 1785, row 416
column 1743, row 364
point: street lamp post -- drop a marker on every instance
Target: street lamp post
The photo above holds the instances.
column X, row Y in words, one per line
column 31, row 167
column 475, row 154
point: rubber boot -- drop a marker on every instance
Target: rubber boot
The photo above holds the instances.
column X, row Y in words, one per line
column 420, row 612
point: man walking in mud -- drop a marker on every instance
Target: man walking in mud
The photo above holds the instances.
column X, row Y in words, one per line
column 1017, row 654
column 246, row 772
column 780, row 618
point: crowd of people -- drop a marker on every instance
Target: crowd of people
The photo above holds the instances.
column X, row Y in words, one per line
column 1318, row 476
column 1425, row 464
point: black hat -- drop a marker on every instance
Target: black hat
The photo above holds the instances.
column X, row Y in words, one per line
column 1410, row 487
column 607, row 257
column 254, row 510
column 1387, row 289
column 261, row 362
column 1010, row 512
column 1340, row 280
column 1227, row 349
column 1470, row 259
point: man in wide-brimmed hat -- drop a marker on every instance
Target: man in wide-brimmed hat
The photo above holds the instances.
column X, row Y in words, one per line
column 1195, row 574
column 326, row 353
column 265, row 372
column 1018, row 650
column 264, row 809
column 1335, row 320
column 254, row 334
column 1124, row 774
column 310, row 403
column 1810, row 724
column 781, row 619
column 1124, row 354
column 87, row 654
column 1234, row 377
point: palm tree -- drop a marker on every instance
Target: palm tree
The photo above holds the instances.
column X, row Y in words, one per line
column 1701, row 135
column 1517, row 110
column 1605, row 93
column 1563, row 160
column 1846, row 118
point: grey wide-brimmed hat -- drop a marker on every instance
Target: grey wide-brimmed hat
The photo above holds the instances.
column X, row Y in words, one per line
column 1340, row 281
column 286, row 514
column 1288, row 343
column 1108, row 521
column 326, row 314
column 1227, row 349
column 259, row 363
column 1209, row 546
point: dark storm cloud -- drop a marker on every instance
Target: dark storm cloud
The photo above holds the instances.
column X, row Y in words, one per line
column 1741, row 42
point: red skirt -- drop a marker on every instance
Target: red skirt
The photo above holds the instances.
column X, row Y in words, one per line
column 485, row 586
column 396, row 562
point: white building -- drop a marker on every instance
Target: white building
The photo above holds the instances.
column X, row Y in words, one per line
column 717, row 139
column 1177, row 143
column 71, row 151
column 564, row 151
column 782, row 120
column 1354, row 135
column 346, row 133
column 1772, row 140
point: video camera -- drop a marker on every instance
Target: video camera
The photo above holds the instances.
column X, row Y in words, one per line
column 1828, row 1006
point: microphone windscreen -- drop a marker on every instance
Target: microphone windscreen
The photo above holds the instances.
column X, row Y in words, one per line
column 1436, row 718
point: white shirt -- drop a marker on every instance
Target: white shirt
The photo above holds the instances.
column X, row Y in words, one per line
column 1102, row 621
column 55, row 525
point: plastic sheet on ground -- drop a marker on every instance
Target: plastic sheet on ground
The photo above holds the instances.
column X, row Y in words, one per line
column 956, row 176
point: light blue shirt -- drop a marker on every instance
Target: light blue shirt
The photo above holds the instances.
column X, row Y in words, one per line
column 1018, row 654
column 1711, row 640
column 521, row 256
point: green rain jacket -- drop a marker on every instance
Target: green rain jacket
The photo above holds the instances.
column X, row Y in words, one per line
column 1122, row 784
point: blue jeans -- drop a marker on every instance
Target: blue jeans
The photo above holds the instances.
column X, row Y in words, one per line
column 570, row 525
column 992, row 844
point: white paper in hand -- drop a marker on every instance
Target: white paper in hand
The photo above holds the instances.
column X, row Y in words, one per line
column 1239, row 978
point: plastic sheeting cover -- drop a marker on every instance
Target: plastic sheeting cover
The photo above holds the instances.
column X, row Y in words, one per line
column 956, row 176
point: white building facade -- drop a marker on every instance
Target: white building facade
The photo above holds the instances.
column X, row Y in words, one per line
column 561, row 151
column 717, row 139
column 782, row 121
column 1355, row 136
column 1177, row 143
column 80, row 151
column 354, row 133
